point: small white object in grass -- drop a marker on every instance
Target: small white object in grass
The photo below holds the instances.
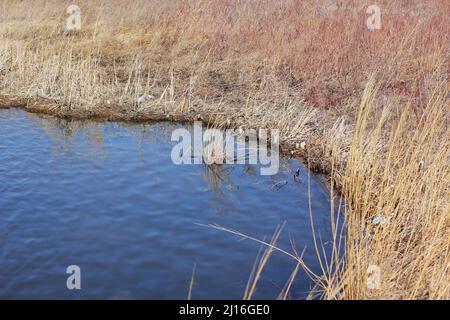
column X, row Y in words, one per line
column 380, row 219
column 303, row 145
column 145, row 97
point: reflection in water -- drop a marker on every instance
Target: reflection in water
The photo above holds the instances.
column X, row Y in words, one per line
column 217, row 177
column 63, row 134
column 107, row 197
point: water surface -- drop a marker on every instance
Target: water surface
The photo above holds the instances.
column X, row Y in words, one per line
column 107, row 197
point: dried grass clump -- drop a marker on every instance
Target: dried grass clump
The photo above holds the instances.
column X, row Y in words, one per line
column 397, row 189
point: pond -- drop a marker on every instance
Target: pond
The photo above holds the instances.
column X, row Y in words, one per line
column 107, row 197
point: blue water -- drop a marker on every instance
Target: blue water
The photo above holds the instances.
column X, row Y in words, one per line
column 107, row 197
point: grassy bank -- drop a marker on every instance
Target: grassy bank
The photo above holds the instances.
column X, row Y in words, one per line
column 371, row 105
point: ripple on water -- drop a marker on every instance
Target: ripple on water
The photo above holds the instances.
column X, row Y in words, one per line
column 106, row 197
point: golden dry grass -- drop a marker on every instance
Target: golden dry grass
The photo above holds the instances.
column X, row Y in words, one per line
column 372, row 106
column 397, row 170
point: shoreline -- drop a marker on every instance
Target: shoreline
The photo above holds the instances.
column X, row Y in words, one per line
column 41, row 106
